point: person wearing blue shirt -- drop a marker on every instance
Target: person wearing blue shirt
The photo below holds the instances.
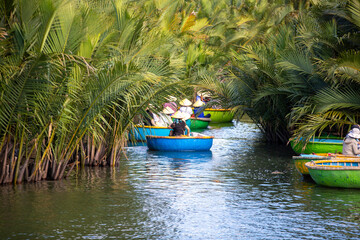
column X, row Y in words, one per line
column 199, row 107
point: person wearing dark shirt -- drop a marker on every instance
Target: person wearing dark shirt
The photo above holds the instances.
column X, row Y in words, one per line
column 179, row 126
column 149, row 118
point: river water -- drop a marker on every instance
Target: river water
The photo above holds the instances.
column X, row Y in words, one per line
column 242, row 189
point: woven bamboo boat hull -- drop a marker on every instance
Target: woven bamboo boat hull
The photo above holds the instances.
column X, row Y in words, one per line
column 179, row 143
column 318, row 145
column 301, row 160
column 343, row 173
column 199, row 123
column 140, row 132
column 219, row 115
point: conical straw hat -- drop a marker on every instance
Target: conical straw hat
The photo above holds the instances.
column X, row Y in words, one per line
column 178, row 115
column 198, row 103
column 168, row 110
column 185, row 102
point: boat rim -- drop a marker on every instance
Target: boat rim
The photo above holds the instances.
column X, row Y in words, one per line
column 180, row 137
column 311, row 157
column 319, row 140
column 217, row 110
column 201, row 119
column 312, row 165
column 141, row 126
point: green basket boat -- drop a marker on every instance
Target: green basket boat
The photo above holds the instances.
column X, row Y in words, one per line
column 199, row 123
column 343, row 173
column 219, row 115
column 318, row 145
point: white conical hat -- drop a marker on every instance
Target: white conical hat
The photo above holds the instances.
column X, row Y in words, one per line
column 185, row 102
column 168, row 110
column 198, row 103
column 178, row 115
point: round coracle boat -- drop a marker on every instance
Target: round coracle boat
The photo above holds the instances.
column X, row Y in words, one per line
column 344, row 173
column 318, row 145
column 219, row 115
column 140, row 132
column 199, row 123
column 179, row 143
column 300, row 161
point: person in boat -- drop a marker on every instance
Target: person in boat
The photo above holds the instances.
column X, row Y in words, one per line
column 165, row 117
column 171, row 104
column 199, row 107
column 151, row 119
column 351, row 142
column 179, row 126
column 185, row 106
column 352, row 127
column 203, row 96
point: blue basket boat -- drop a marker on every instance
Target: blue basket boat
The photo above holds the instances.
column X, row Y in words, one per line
column 179, row 143
column 140, row 132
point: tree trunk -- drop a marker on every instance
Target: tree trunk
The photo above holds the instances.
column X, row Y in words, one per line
column 2, row 176
column 22, row 170
column 97, row 155
column 87, row 160
column 92, row 151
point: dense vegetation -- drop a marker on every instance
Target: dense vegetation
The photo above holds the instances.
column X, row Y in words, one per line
column 74, row 74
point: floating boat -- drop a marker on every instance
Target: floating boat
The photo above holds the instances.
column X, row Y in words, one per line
column 301, row 160
column 344, row 173
column 318, row 145
column 179, row 143
column 199, row 123
column 140, row 132
column 219, row 115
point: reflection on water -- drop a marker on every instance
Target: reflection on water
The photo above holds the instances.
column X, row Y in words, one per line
column 194, row 157
column 230, row 192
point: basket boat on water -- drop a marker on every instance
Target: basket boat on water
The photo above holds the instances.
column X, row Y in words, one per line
column 342, row 172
